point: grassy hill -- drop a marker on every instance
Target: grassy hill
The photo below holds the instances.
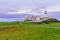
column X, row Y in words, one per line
column 29, row 34
column 29, row 31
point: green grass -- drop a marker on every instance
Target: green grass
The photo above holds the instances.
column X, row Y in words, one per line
column 53, row 24
column 28, row 24
column 29, row 31
column 30, row 34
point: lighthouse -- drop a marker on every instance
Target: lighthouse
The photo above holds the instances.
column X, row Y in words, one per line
column 46, row 15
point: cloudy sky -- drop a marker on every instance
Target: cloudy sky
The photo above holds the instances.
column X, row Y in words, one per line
column 26, row 6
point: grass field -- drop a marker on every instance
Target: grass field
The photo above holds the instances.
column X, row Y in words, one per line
column 29, row 31
column 28, row 24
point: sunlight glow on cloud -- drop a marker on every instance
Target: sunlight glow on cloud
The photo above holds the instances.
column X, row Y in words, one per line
column 26, row 10
column 36, row 11
column 21, row 11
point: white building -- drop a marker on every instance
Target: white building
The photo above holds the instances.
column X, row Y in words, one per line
column 36, row 18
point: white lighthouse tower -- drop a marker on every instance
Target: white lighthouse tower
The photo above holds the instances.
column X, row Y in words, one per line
column 46, row 15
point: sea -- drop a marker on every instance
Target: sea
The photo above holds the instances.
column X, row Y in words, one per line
column 10, row 19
